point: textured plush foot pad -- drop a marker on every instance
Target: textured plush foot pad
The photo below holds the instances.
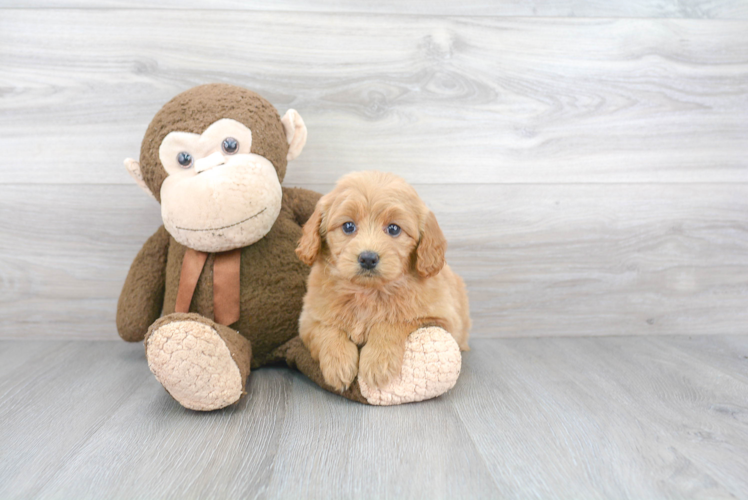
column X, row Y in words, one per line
column 431, row 366
column 193, row 363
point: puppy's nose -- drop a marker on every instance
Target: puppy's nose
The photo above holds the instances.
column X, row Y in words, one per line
column 368, row 260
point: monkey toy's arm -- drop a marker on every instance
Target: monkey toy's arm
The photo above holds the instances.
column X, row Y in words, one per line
column 142, row 297
column 302, row 202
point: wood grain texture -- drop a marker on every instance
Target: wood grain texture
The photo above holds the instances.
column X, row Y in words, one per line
column 539, row 260
column 694, row 9
column 608, row 418
column 438, row 99
column 55, row 401
column 224, row 454
column 65, row 253
column 625, row 417
column 590, row 174
column 411, row 451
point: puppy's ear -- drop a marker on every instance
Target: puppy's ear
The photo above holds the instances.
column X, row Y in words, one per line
column 431, row 248
column 311, row 238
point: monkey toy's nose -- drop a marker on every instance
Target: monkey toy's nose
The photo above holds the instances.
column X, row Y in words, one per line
column 368, row 260
column 209, row 162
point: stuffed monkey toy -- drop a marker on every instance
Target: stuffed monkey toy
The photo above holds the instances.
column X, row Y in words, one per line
column 218, row 289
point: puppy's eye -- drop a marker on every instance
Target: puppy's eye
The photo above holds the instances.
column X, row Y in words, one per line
column 349, row 228
column 184, row 159
column 230, row 145
column 393, row 230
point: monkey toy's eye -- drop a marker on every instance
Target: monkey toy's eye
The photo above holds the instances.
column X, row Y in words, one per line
column 184, row 159
column 349, row 228
column 230, row 145
column 393, row 230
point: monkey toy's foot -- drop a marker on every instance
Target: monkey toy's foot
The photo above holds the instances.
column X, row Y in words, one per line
column 431, row 366
column 202, row 364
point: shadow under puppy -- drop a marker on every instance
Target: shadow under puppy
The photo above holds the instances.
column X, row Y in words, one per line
column 378, row 275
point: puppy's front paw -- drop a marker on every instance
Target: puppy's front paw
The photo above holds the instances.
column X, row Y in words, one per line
column 379, row 366
column 339, row 364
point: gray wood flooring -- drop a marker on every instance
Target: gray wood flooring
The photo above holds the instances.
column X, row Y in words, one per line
column 614, row 417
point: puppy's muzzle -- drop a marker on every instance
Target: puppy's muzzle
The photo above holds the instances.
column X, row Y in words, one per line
column 368, row 260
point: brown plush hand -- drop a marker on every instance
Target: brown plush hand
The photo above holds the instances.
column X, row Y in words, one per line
column 302, row 202
column 142, row 296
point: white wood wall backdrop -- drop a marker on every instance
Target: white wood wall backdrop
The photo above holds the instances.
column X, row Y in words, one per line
column 440, row 99
column 591, row 174
column 697, row 9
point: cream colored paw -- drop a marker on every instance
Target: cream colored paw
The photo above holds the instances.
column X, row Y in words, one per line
column 379, row 366
column 193, row 363
column 339, row 364
column 431, row 365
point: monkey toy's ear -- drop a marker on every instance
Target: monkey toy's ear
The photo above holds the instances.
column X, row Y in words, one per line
column 133, row 167
column 295, row 133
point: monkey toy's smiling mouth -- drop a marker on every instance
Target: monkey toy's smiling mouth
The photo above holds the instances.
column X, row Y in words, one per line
column 223, row 227
column 226, row 207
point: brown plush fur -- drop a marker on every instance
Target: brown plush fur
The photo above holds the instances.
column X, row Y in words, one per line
column 273, row 282
column 142, row 296
column 195, row 109
column 410, row 287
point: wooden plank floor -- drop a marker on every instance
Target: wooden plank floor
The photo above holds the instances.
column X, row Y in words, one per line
column 614, row 417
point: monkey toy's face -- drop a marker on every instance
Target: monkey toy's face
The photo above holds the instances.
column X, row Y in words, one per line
column 218, row 194
column 215, row 157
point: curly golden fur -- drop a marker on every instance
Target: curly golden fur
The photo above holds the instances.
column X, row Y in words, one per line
column 410, row 286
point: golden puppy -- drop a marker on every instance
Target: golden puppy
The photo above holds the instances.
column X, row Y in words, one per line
column 378, row 274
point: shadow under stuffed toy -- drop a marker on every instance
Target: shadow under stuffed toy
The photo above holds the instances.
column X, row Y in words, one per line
column 218, row 289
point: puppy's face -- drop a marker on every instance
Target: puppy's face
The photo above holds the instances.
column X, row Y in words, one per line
column 371, row 238
column 373, row 228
